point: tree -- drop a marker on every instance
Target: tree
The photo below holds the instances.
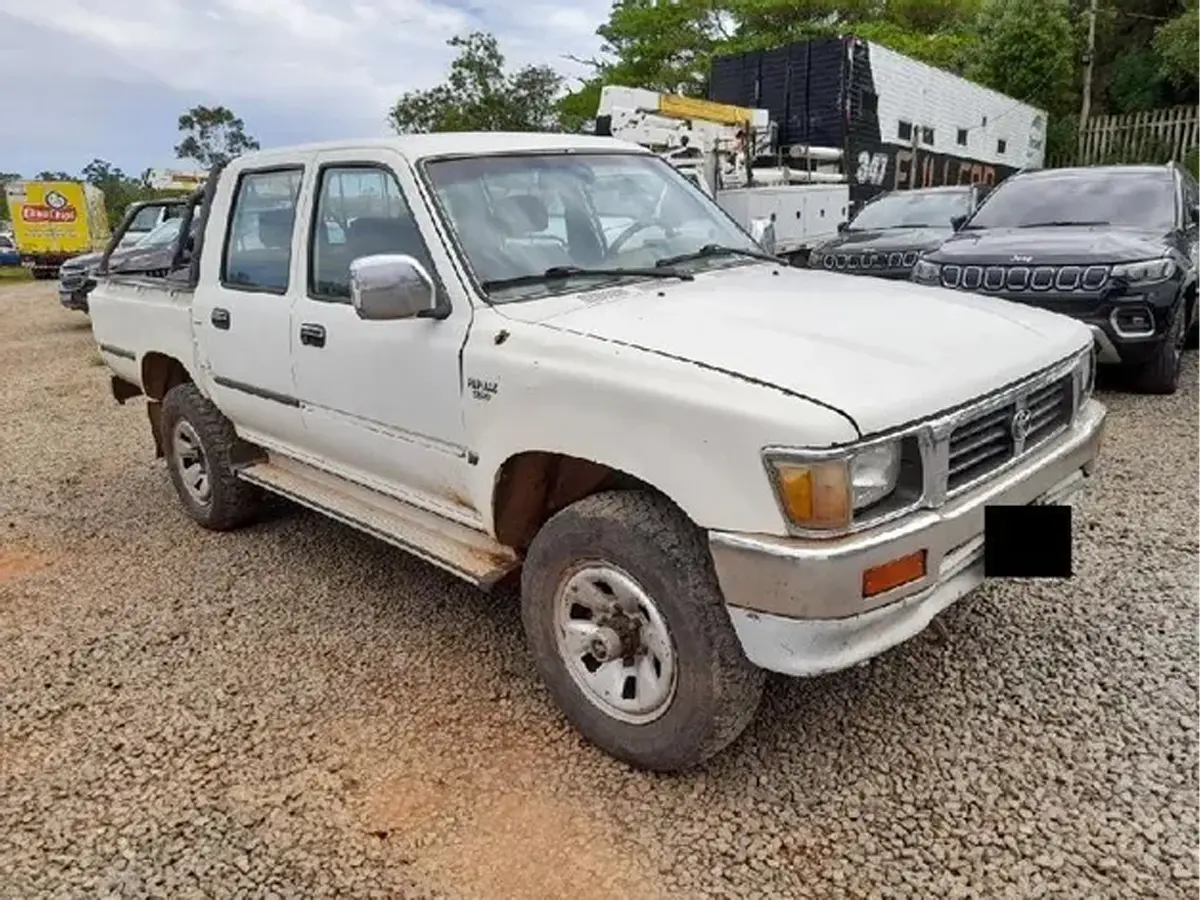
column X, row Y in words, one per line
column 5, row 178
column 212, row 135
column 1027, row 50
column 120, row 190
column 47, row 175
column 1177, row 47
column 478, row 95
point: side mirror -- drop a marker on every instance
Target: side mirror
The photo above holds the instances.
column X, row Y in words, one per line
column 1195, row 212
column 842, row 226
column 957, row 222
column 763, row 232
column 390, row 286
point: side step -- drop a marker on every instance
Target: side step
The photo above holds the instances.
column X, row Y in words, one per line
column 471, row 555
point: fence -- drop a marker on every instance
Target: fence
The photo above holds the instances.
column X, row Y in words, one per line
column 1154, row 136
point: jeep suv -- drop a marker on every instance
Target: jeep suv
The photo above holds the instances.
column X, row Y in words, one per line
column 1112, row 246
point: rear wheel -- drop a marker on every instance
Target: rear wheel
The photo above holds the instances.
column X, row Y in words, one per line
column 199, row 444
column 628, row 629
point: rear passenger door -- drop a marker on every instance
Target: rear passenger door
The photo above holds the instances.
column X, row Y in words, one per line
column 381, row 400
column 241, row 312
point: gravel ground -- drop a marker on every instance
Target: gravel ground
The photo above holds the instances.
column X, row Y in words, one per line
column 296, row 710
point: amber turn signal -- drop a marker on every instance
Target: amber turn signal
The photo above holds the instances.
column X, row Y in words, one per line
column 816, row 495
column 894, row 573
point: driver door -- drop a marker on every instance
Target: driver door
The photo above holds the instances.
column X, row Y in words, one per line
column 381, row 400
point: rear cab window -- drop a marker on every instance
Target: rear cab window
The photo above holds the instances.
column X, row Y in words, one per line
column 258, row 241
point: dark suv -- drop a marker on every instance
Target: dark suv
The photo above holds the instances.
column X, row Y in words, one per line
column 887, row 235
column 1112, row 246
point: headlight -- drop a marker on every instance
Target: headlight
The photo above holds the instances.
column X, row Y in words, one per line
column 926, row 272
column 823, row 494
column 1146, row 272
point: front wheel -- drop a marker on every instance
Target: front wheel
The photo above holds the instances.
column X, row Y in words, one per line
column 1160, row 374
column 629, row 631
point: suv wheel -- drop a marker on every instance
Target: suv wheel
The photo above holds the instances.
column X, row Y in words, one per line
column 1160, row 374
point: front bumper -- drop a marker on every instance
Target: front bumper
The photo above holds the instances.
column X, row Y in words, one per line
column 798, row 607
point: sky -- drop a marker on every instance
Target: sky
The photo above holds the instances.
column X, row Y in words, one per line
column 81, row 79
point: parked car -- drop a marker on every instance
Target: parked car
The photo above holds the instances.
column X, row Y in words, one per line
column 9, row 255
column 77, row 276
column 1112, row 246
column 889, row 233
column 703, row 463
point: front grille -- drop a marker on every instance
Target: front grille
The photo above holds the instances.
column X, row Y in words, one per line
column 872, row 262
column 1025, row 279
column 993, row 438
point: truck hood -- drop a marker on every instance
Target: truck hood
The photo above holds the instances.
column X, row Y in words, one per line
column 883, row 353
column 1050, row 246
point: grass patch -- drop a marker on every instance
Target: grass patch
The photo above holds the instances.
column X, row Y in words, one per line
column 14, row 274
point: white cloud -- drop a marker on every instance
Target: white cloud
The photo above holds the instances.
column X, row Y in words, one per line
column 336, row 64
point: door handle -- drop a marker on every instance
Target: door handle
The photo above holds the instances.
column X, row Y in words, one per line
column 312, row 334
column 220, row 318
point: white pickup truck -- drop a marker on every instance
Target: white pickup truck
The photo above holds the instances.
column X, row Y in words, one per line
column 702, row 463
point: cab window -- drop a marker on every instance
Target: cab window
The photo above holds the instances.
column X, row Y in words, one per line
column 258, row 248
column 361, row 211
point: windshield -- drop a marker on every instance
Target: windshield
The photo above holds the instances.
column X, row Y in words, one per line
column 520, row 216
column 1130, row 199
column 912, row 209
column 162, row 235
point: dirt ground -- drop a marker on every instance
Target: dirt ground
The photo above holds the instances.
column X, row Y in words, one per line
column 296, row 710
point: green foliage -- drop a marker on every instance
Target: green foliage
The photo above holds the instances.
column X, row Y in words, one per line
column 5, row 178
column 1177, row 46
column 1191, row 161
column 212, row 135
column 478, row 95
column 120, row 190
column 1027, row 50
column 1136, row 82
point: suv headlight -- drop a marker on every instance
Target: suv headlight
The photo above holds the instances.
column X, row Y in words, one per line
column 824, row 492
column 1148, row 271
column 926, row 272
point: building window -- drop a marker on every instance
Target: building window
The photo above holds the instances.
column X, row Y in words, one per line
column 962, row 137
column 1001, row 145
column 904, row 131
column 984, row 122
column 926, row 135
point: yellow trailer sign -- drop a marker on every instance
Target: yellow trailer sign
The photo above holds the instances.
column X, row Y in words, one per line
column 57, row 219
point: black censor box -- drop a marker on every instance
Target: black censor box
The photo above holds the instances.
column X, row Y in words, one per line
column 1027, row 542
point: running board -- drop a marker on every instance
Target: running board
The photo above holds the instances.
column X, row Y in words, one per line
column 462, row 551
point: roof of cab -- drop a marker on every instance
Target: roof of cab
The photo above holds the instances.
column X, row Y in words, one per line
column 451, row 143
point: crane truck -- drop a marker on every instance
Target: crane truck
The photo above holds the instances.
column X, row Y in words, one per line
column 790, row 202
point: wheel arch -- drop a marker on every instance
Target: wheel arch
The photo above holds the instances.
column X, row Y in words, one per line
column 159, row 373
column 532, row 485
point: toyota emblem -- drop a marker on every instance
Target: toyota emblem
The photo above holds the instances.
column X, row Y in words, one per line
column 1019, row 426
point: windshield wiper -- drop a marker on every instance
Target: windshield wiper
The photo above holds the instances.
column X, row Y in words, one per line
column 1061, row 222
column 561, row 273
column 709, row 250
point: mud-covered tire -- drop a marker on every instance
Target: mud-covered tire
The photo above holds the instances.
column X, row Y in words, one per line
column 189, row 418
column 648, row 539
column 1160, row 374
